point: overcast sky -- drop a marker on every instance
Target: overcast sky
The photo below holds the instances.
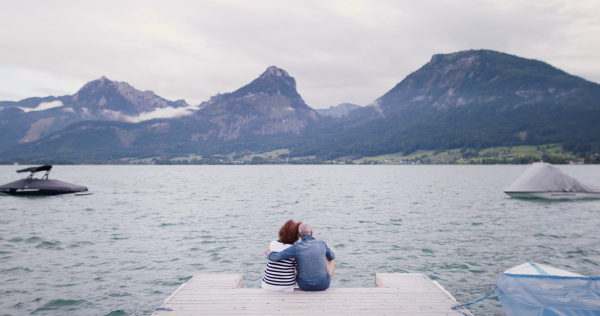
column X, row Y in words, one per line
column 338, row 51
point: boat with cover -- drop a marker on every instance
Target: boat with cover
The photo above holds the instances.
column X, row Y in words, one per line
column 43, row 186
column 542, row 290
column 545, row 181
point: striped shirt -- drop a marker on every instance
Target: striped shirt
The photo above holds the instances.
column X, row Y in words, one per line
column 280, row 273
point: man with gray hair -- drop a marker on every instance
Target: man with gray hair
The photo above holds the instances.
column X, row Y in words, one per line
column 314, row 258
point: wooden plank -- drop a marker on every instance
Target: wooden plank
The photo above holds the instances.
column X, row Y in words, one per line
column 211, row 281
column 330, row 292
column 379, row 300
column 305, row 298
column 321, row 312
column 395, row 294
column 399, row 280
column 333, row 307
column 219, row 308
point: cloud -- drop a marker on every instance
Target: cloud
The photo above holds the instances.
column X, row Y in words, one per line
column 338, row 50
column 43, row 106
column 167, row 112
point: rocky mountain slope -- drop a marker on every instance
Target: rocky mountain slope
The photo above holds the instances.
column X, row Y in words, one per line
column 269, row 105
column 31, row 119
column 266, row 113
column 118, row 101
column 338, row 110
column 476, row 99
column 468, row 99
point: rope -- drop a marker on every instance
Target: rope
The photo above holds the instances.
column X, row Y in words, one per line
column 538, row 269
column 479, row 300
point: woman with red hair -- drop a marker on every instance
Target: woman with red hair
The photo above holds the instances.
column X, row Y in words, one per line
column 281, row 275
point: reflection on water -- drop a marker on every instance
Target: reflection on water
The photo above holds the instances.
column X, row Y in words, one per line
column 147, row 229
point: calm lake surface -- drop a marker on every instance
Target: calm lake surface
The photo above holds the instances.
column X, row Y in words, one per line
column 147, row 229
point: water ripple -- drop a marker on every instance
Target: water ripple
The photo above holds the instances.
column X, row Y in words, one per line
column 147, row 229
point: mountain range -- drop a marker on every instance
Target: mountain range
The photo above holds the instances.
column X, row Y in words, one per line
column 31, row 119
column 468, row 99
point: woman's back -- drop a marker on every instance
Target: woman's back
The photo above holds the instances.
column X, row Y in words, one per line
column 279, row 275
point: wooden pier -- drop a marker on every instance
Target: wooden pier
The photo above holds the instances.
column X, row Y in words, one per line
column 394, row 294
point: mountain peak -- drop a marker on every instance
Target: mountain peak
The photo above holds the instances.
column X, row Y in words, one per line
column 269, row 105
column 274, row 72
column 273, row 81
column 102, row 80
column 101, row 83
column 103, row 96
column 479, row 79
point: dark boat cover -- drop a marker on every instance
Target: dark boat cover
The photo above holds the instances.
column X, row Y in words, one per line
column 36, row 169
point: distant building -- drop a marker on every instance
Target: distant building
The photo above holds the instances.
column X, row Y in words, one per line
column 578, row 161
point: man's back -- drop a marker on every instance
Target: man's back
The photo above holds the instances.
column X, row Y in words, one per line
column 311, row 256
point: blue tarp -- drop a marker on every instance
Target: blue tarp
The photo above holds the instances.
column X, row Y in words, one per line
column 548, row 295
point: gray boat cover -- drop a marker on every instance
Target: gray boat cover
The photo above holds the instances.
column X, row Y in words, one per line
column 544, row 177
column 548, row 295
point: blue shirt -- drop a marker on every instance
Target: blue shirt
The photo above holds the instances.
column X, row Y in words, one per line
column 311, row 255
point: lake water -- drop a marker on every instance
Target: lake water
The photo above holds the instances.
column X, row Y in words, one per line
column 147, row 229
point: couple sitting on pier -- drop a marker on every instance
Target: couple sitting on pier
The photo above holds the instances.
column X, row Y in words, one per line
column 308, row 262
